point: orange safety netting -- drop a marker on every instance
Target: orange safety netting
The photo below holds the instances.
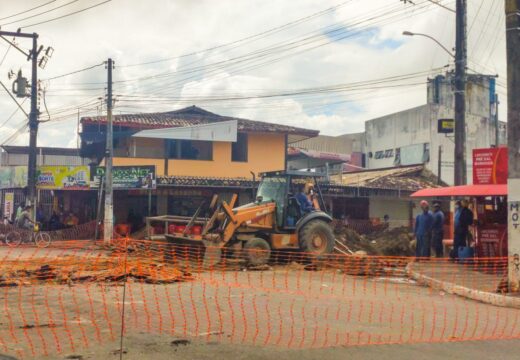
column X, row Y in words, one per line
column 70, row 296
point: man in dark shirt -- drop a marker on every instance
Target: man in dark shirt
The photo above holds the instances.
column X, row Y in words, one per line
column 463, row 219
column 303, row 201
column 437, row 229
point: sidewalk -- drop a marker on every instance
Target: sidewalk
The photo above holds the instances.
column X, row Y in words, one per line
column 463, row 280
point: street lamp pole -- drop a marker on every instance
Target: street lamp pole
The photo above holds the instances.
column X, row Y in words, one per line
column 460, row 99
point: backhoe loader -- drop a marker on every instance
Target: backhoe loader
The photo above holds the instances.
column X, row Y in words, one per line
column 276, row 220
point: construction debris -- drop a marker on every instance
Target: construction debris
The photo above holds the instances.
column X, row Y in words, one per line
column 387, row 242
column 70, row 270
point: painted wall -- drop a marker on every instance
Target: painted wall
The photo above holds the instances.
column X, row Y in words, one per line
column 266, row 152
column 397, row 209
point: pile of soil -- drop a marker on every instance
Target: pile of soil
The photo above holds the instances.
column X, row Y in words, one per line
column 385, row 242
column 71, row 269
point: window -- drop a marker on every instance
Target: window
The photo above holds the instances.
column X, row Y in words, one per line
column 239, row 148
column 190, row 149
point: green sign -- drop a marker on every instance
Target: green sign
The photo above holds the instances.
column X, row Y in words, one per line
column 127, row 177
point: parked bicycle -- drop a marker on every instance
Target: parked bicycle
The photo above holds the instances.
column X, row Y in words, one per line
column 40, row 238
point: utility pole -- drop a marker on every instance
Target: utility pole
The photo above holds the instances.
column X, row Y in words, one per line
column 460, row 91
column 513, row 139
column 34, row 114
column 33, row 123
column 109, row 201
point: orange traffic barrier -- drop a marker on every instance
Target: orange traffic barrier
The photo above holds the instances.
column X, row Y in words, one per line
column 79, row 294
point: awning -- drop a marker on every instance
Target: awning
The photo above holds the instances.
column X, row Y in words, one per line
column 463, row 190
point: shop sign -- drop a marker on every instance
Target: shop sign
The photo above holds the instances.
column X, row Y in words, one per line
column 492, row 241
column 63, row 177
column 13, row 177
column 446, row 126
column 127, row 177
column 490, row 166
column 9, row 205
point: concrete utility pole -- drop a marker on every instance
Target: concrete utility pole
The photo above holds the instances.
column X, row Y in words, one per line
column 108, row 231
column 460, row 92
column 34, row 114
column 513, row 139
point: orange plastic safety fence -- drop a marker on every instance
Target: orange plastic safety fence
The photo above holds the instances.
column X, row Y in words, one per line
column 70, row 296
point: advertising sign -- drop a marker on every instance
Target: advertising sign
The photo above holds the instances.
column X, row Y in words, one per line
column 13, row 177
column 490, row 166
column 446, row 126
column 492, row 241
column 63, row 177
column 9, row 205
column 128, row 177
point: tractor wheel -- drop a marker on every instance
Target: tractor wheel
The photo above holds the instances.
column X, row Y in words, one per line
column 316, row 237
column 257, row 251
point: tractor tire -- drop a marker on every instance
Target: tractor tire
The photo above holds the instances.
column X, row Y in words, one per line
column 257, row 251
column 316, row 237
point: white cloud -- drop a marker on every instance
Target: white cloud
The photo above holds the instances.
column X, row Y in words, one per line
column 143, row 30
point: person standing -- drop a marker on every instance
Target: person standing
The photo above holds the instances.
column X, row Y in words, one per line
column 438, row 230
column 423, row 231
column 463, row 219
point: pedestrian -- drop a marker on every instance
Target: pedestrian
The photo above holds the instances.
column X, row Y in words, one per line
column 24, row 221
column 462, row 220
column 438, row 229
column 423, row 231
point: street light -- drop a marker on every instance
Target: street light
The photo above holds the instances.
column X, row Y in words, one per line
column 460, row 107
column 409, row 33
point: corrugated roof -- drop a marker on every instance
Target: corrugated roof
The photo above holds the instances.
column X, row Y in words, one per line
column 194, row 115
column 407, row 178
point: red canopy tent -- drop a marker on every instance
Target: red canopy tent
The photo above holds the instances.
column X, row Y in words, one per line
column 464, row 190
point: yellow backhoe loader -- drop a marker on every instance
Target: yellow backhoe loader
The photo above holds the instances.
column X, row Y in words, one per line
column 287, row 214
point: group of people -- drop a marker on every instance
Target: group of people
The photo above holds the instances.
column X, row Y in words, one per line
column 429, row 229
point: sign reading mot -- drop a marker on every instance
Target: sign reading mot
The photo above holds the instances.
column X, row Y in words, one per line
column 127, row 177
column 490, row 166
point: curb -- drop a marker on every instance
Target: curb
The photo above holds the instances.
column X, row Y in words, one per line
column 450, row 288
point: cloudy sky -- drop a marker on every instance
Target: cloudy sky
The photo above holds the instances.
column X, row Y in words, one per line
column 328, row 64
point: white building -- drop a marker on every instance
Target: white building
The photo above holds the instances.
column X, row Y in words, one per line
column 411, row 136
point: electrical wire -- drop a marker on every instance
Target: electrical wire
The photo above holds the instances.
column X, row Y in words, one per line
column 258, row 35
column 41, row 13
column 28, row 10
column 66, row 15
column 74, row 72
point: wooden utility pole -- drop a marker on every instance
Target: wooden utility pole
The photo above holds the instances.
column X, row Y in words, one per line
column 460, row 91
column 108, row 229
column 513, row 139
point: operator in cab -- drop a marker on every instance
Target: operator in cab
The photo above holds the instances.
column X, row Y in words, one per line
column 303, row 200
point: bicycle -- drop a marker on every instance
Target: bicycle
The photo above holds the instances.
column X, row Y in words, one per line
column 41, row 239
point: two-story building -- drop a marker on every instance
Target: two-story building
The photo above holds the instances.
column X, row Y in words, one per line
column 189, row 171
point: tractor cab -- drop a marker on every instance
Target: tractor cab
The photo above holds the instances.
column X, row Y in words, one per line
column 296, row 195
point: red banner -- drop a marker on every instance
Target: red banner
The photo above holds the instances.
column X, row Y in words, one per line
column 490, row 166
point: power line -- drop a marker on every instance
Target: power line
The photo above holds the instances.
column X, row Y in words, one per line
column 28, row 10
column 441, row 5
column 66, row 15
column 74, row 72
column 263, row 33
column 41, row 13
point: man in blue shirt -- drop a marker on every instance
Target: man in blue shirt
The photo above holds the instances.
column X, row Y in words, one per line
column 303, row 201
column 423, row 231
column 437, row 229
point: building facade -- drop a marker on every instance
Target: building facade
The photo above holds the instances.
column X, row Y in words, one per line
column 188, row 171
column 411, row 136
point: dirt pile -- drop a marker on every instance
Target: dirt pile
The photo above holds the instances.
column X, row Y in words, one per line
column 387, row 242
column 70, row 270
